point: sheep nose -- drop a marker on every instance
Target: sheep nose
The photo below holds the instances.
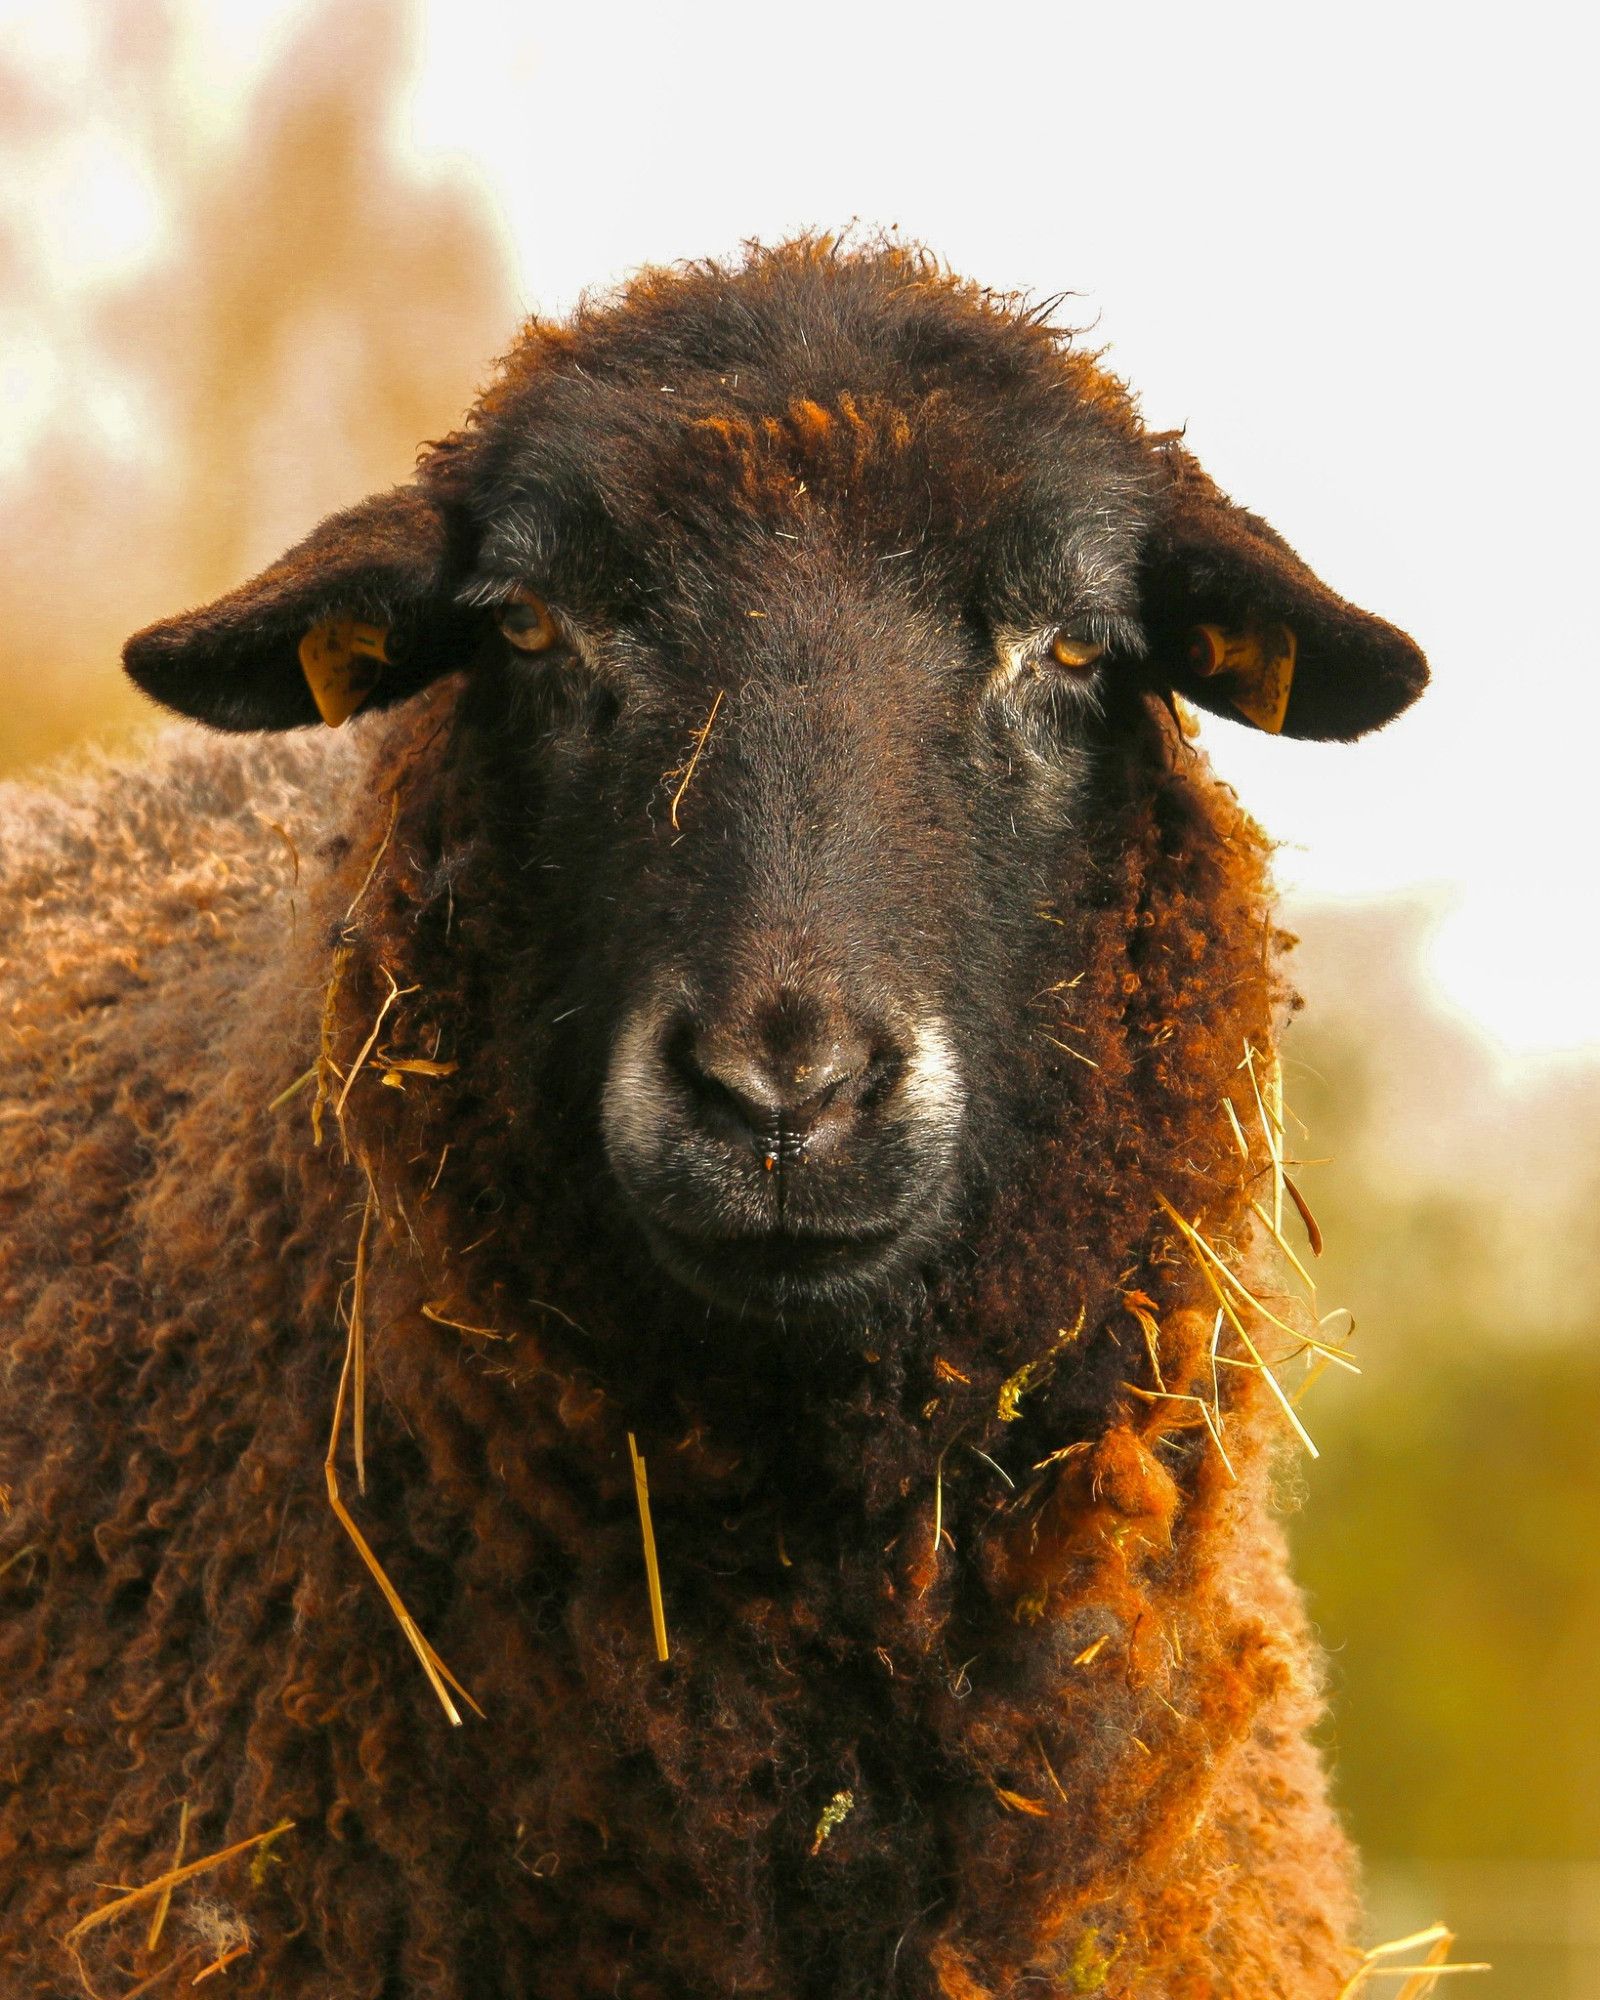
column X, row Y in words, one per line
column 780, row 1093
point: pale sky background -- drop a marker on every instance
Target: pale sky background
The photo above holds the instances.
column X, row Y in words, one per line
column 1350, row 247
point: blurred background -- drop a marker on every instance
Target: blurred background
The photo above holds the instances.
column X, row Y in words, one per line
column 253, row 251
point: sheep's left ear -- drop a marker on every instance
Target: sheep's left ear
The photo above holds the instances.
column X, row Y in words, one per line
column 359, row 613
column 1239, row 624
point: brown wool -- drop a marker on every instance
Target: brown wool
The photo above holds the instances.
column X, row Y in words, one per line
column 1052, row 1658
column 1116, row 1638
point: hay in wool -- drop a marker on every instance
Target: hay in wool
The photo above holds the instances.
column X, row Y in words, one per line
column 1112, row 1637
column 986, row 1675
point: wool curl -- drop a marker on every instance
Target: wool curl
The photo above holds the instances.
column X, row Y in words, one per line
column 986, row 1674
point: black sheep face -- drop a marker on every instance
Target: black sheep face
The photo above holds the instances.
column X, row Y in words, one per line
column 803, row 607
column 818, row 687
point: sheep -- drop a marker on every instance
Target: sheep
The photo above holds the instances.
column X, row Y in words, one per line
column 725, row 1058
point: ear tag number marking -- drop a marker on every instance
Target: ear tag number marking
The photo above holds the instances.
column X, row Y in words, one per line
column 341, row 659
column 1258, row 666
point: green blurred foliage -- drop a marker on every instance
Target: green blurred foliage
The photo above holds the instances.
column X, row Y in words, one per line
column 1448, row 1538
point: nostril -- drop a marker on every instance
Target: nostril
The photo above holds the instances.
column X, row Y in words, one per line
column 722, row 1099
column 721, row 1083
column 881, row 1072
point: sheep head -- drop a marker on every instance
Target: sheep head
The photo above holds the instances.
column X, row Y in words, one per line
column 802, row 610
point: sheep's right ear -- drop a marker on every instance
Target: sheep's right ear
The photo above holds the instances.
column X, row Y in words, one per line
column 360, row 612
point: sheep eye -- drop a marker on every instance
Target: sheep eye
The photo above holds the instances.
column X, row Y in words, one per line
column 1076, row 649
column 528, row 623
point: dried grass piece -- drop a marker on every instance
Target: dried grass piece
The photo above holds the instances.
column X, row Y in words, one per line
column 395, row 993
column 1273, row 1129
column 834, row 1814
column 1283, row 1244
column 434, row 1667
column 1271, row 1125
column 1206, row 1257
column 459, row 1325
column 1270, row 1110
column 1143, row 1309
column 938, row 1498
column 396, row 1068
column 694, row 759
column 287, row 838
column 170, row 1880
column 1209, row 1415
column 164, row 1903
column 1231, row 1278
column 652, row 1572
column 18, row 1555
column 284, row 1096
column 993, row 1464
column 1049, row 1769
column 220, row 1964
column 1420, row 1979
column 325, row 1065
column 1275, row 1113
column 555, row 1312
column 1009, row 1404
column 372, row 868
column 1016, row 1802
column 358, row 1338
column 1076, row 1054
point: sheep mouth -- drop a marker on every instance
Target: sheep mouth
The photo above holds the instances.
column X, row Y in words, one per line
column 785, row 1270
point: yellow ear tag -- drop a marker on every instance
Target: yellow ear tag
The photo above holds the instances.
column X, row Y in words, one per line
column 1258, row 664
column 341, row 659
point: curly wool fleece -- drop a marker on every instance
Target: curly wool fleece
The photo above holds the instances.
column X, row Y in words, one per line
column 1067, row 1742
column 986, row 1674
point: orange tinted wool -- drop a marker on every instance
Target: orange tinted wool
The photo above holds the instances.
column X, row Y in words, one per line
column 1179, row 1743
column 986, row 1576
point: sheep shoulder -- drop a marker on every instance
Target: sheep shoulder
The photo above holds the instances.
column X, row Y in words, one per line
column 144, row 899
column 154, row 994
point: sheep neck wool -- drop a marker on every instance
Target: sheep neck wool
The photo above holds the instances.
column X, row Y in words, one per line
column 985, row 1672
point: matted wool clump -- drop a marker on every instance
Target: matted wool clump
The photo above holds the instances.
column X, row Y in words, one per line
column 642, row 1351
